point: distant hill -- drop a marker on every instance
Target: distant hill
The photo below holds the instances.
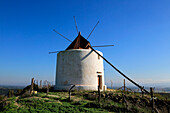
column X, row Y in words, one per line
column 157, row 89
column 4, row 89
column 167, row 89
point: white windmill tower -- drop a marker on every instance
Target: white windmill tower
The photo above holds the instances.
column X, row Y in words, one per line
column 79, row 65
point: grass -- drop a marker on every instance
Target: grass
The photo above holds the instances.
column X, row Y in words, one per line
column 82, row 101
column 46, row 103
column 40, row 105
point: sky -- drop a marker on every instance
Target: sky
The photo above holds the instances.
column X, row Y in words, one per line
column 139, row 29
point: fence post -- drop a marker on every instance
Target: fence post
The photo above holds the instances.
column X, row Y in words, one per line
column 124, row 86
column 142, row 92
column 70, row 92
column 32, row 85
column 47, row 87
column 124, row 102
column 99, row 94
column 166, row 99
column 168, row 108
column 40, row 84
column 152, row 99
column 111, row 84
column 37, row 83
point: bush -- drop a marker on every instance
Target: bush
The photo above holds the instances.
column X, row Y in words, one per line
column 10, row 93
column 2, row 97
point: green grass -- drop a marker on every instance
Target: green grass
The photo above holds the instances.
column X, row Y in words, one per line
column 10, row 107
column 82, row 101
column 47, row 105
column 37, row 105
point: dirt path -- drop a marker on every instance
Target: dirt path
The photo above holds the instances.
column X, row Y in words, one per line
column 16, row 103
column 53, row 95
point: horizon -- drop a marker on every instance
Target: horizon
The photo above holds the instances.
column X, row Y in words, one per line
column 139, row 31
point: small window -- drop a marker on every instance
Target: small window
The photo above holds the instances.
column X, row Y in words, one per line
column 98, row 57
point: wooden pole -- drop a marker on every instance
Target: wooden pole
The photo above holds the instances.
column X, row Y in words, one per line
column 47, row 87
column 76, row 24
column 32, row 85
column 70, row 92
column 69, row 95
column 111, row 84
column 168, row 109
column 124, row 85
column 99, row 94
column 40, row 83
column 124, row 101
column 120, row 71
column 45, row 83
column 92, row 30
column 152, row 99
column 37, row 82
column 168, row 106
column 142, row 92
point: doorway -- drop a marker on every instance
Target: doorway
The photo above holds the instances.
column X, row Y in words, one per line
column 100, row 81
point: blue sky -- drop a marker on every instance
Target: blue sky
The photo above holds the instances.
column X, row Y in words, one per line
column 139, row 29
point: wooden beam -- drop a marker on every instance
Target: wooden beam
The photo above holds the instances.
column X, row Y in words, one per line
column 120, row 72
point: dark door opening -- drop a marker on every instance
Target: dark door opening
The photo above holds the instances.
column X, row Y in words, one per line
column 100, row 81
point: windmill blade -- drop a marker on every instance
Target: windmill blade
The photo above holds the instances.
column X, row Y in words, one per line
column 53, row 52
column 93, row 30
column 103, row 46
column 61, row 35
column 76, row 24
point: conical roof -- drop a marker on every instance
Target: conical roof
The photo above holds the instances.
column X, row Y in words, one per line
column 79, row 43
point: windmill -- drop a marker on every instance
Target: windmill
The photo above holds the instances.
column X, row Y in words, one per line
column 80, row 64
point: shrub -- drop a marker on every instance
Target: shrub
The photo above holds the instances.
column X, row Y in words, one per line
column 10, row 93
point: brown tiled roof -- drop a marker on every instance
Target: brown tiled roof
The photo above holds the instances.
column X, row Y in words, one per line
column 79, row 43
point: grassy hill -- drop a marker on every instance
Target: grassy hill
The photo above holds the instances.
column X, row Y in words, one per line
column 82, row 101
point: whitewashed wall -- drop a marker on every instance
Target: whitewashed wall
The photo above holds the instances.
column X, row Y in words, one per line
column 78, row 67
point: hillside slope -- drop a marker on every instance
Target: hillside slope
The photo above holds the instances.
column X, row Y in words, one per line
column 82, row 101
